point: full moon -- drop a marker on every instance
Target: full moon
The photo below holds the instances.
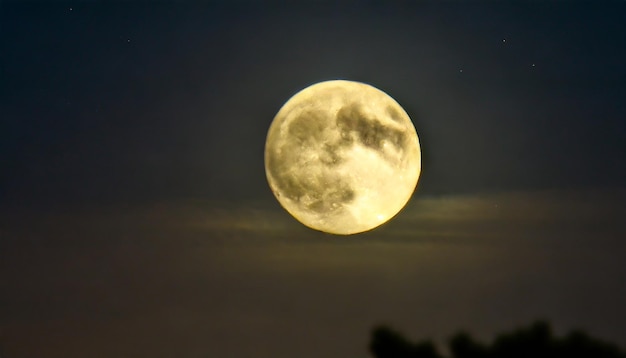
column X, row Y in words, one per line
column 342, row 157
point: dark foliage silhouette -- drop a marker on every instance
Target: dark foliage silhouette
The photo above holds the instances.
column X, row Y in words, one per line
column 462, row 345
column 534, row 341
column 387, row 343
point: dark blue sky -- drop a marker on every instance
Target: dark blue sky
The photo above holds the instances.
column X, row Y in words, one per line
column 136, row 220
column 138, row 102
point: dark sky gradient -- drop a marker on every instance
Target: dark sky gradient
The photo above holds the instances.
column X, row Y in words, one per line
column 134, row 102
column 136, row 218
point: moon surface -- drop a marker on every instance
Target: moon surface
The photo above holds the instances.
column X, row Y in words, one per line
column 342, row 157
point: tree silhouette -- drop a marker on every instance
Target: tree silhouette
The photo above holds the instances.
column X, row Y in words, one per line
column 534, row 341
column 387, row 343
column 462, row 345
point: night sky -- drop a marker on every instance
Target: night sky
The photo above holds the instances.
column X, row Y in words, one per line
column 136, row 219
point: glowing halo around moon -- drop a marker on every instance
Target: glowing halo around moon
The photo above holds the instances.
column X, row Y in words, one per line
column 342, row 157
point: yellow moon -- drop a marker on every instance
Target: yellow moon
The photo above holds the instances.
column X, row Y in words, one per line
column 342, row 157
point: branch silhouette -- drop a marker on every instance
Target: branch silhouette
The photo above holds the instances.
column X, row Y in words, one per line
column 534, row 341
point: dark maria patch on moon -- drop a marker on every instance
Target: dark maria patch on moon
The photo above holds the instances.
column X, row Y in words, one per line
column 369, row 131
column 394, row 114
